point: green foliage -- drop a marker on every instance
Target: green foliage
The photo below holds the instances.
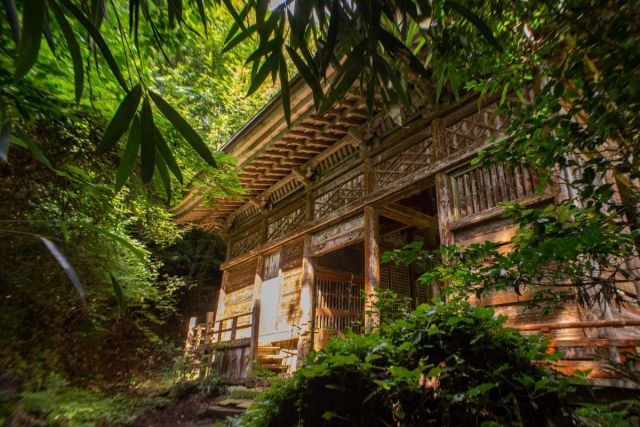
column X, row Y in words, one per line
column 59, row 404
column 443, row 364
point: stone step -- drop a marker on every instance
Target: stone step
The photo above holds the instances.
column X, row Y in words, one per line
column 266, row 358
column 268, row 350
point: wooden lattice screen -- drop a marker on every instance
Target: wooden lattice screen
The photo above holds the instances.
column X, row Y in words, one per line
column 343, row 194
column 482, row 187
column 271, row 265
column 404, row 163
column 339, row 304
column 475, row 129
column 247, row 241
column 347, row 260
column 285, row 224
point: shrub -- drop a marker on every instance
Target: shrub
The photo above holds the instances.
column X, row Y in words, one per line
column 444, row 364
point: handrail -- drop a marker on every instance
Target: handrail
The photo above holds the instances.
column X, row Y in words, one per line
column 577, row 325
column 216, row 331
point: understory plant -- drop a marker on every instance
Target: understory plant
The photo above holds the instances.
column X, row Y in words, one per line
column 448, row 363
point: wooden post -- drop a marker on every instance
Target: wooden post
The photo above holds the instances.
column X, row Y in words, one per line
column 307, row 304
column 208, row 327
column 372, row 268
column 255, row 312
column 439, row 140
column 234, row 327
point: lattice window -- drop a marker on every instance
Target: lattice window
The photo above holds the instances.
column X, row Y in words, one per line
column 347, row 260
column 475, row 129
column 404, row 163
column 240, row 277
column 480, row 188
column 246, row 242
column 339, row 304
column 271, row 266
column 292, row 256
column 344, row 194
column 396, row 278
column 286, row 224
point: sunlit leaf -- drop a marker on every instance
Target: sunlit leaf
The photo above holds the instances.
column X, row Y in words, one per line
column 184, row 128
column 74, row 49
column 130, row 154
column 148, row 148
column 121, row 119
column 99, row 41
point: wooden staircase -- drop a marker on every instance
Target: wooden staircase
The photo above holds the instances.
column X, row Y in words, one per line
column 271, row 358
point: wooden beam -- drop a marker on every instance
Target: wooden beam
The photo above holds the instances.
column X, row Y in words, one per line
column 371, row 268
column 256, row 308
column 408, row 216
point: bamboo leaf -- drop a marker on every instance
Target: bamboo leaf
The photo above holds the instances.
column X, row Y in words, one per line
column 33, row 16
column 99, row 41
column 184, row 128
column 239, row 38
column 148, row 154
column 284, row 90
column 203, row 15
column 12, row 17
column 269, row 66
column 117, row 292
column 25, row 141
column 167, row 155
column 121, row 119
column 74, row 49
column 130, row 155
column 66, row 266
column 5, row 136
column 474, row 19
column 164, row 174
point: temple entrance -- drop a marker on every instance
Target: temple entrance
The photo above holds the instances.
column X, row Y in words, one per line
column 339, row 300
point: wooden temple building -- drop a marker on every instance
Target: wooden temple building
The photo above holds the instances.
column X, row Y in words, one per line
column 328, row 195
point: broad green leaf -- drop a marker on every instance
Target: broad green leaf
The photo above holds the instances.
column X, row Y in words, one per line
column 121, row 119
column 74, row 49
column 117, row 292
column 164, row 174
column 33, row 16
column 167, row 155
column 99, row 41
column 148, row 154
column 66, row 266
column 184, row 128
column 130, row 154
column 5, row 136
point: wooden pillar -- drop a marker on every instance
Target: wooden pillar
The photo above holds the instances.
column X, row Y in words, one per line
column 221, row 295
column 255, row 311
column 443, row 186
column 372, row 268
column 307, row 304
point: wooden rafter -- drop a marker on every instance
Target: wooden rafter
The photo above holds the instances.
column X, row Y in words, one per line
column 408, row 216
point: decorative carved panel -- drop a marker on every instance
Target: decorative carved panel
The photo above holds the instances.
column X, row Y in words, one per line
column 246, row 242
column 292, row 256
column 480, row 188
column 475, row 129
column 342, row 233
column 344, row 194
column 284, row 225
column 271, row 266
column 240, row 277
column 403, row 163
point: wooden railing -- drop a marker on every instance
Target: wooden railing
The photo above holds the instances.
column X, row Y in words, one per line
column 216, row 331
column 586, row 353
